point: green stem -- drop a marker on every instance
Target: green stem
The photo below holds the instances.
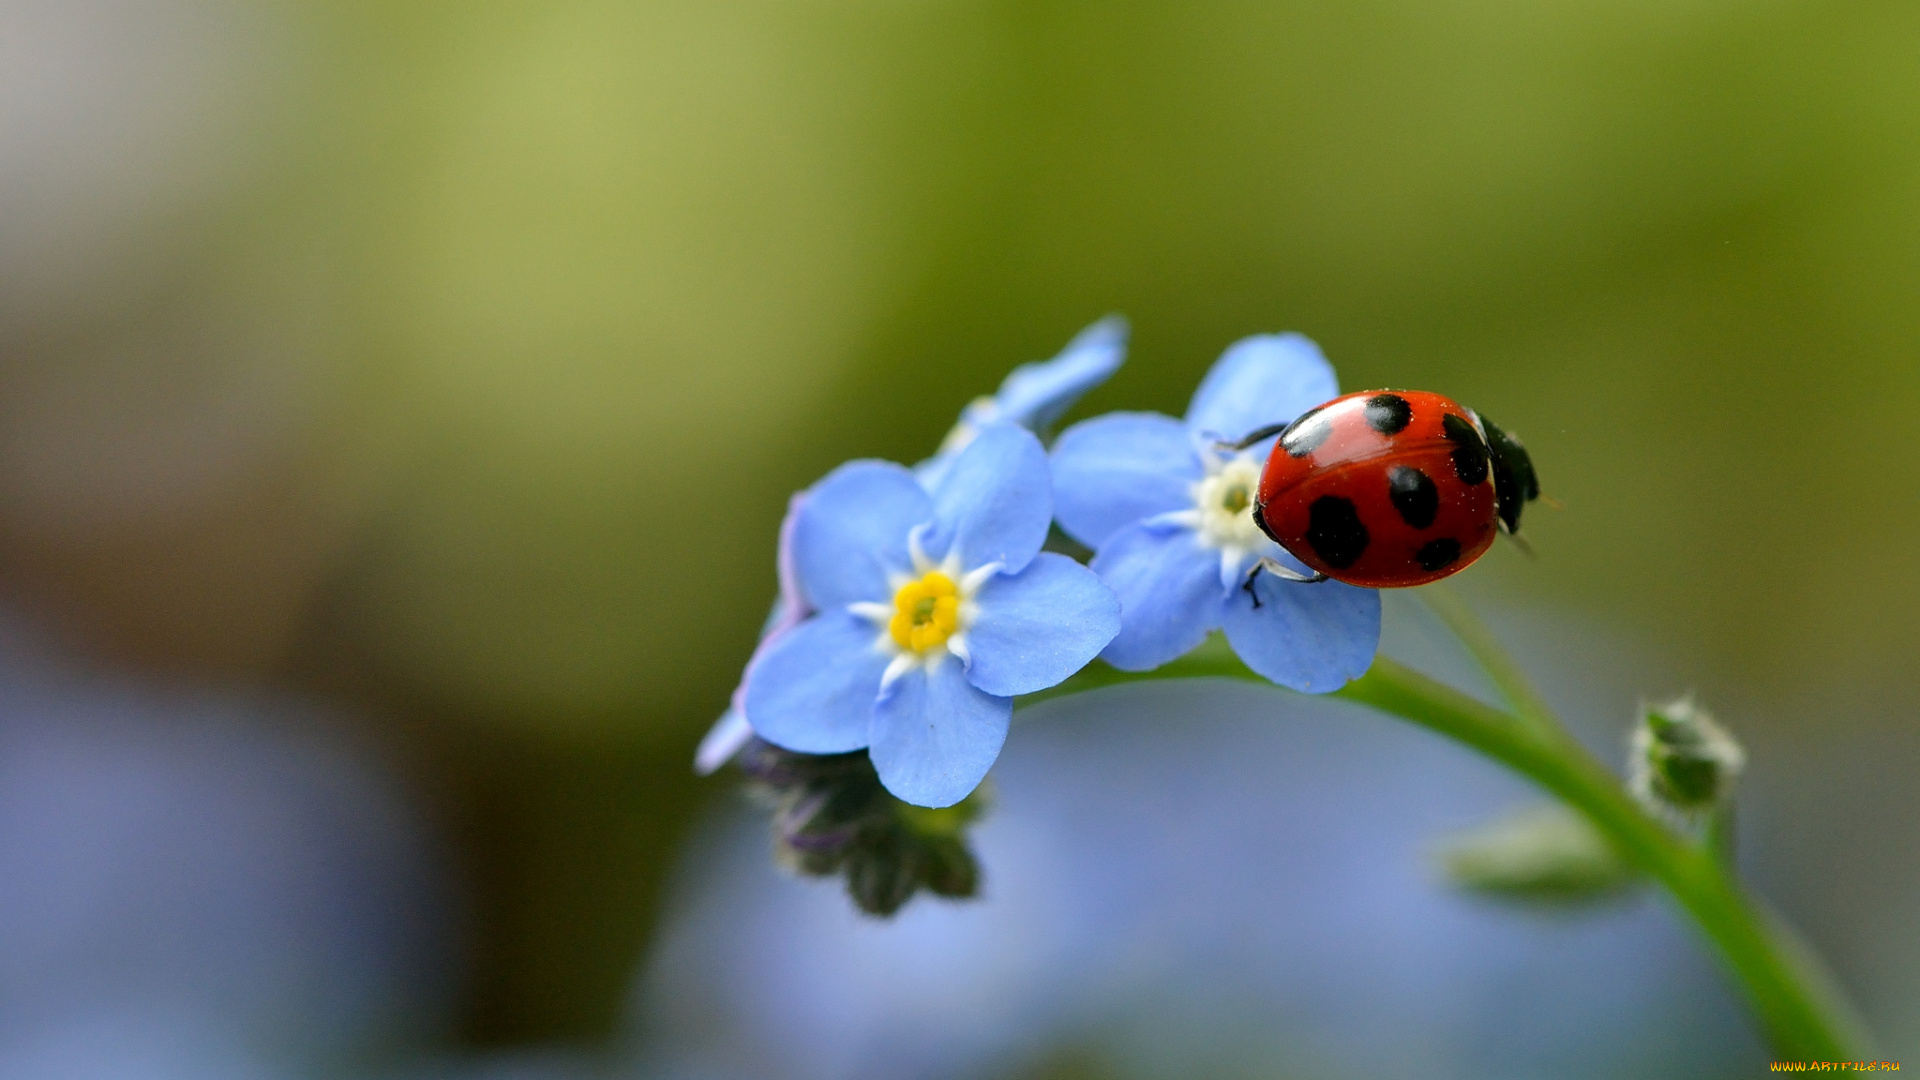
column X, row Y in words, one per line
column 1804, row 1016
column 1790, row 998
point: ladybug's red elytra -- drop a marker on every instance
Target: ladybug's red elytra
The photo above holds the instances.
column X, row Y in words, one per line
column 1389, row 488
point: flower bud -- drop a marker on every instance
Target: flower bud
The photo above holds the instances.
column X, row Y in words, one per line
column 832, row 816
column 1542, row 854
column 1684, row 763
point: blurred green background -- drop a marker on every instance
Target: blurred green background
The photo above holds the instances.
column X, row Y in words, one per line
column 455, row 361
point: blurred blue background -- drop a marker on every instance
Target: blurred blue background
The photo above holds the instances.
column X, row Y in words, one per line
column 397, row 402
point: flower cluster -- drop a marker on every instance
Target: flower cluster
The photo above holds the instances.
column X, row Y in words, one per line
column 917, row 603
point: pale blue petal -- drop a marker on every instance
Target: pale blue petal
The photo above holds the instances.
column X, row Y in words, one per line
column 1114, row 470
column 723, row 740
column 1233, row 571
column 1039, row 626
column 933, row 470
column 1261, row 380
column 813, row 691
column 793, row 605
column 1168, row 583
column 996, row 501
column 1315, row 638
column 1036, row 394
column 852, row 532
column 935, row 735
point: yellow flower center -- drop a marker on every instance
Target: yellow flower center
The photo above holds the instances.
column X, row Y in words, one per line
column 926, row 612
column 1236, row 499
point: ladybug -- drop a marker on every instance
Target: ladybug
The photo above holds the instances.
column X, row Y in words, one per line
column 1389, row 488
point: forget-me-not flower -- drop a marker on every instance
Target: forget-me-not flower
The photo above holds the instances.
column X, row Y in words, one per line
column 1170, row 517
column 933, row 609
column 1035, row 395
column 1032, row 396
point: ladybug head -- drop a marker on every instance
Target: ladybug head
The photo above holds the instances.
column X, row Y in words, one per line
column 1515, row 484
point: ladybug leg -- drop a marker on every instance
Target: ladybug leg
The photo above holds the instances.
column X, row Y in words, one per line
column 1280, row 570
column 1254, row 436
column 1287, row 573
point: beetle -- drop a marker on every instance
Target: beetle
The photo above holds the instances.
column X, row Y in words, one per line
column 1389, row 489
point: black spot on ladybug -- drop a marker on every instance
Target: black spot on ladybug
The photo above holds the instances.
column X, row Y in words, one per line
column 1469, row 452
column 1438, row 554
column 1414, row 495
column 1306, row 433
column 1388, row 414
column 1335, row 531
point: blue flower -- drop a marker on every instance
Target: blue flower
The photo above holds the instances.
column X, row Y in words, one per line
column 1035, row 394
column 1170, row 517
column 933, row 609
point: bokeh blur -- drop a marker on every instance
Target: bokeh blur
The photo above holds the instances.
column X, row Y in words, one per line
column 397, row 403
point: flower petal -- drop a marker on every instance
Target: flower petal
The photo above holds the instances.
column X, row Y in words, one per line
column 722, row 741
column 1036, row 394
column 933, row 470
column 852, row 532
column 792, row 606
column 813, row 691
column 1168, row 583
column 1114, row 470
column 996, row 501
column 1314, row 638
column 1039, row 626
column 935, row 735
column 1266, row 379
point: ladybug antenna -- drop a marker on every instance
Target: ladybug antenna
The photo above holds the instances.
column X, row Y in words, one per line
column 1522, row 543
